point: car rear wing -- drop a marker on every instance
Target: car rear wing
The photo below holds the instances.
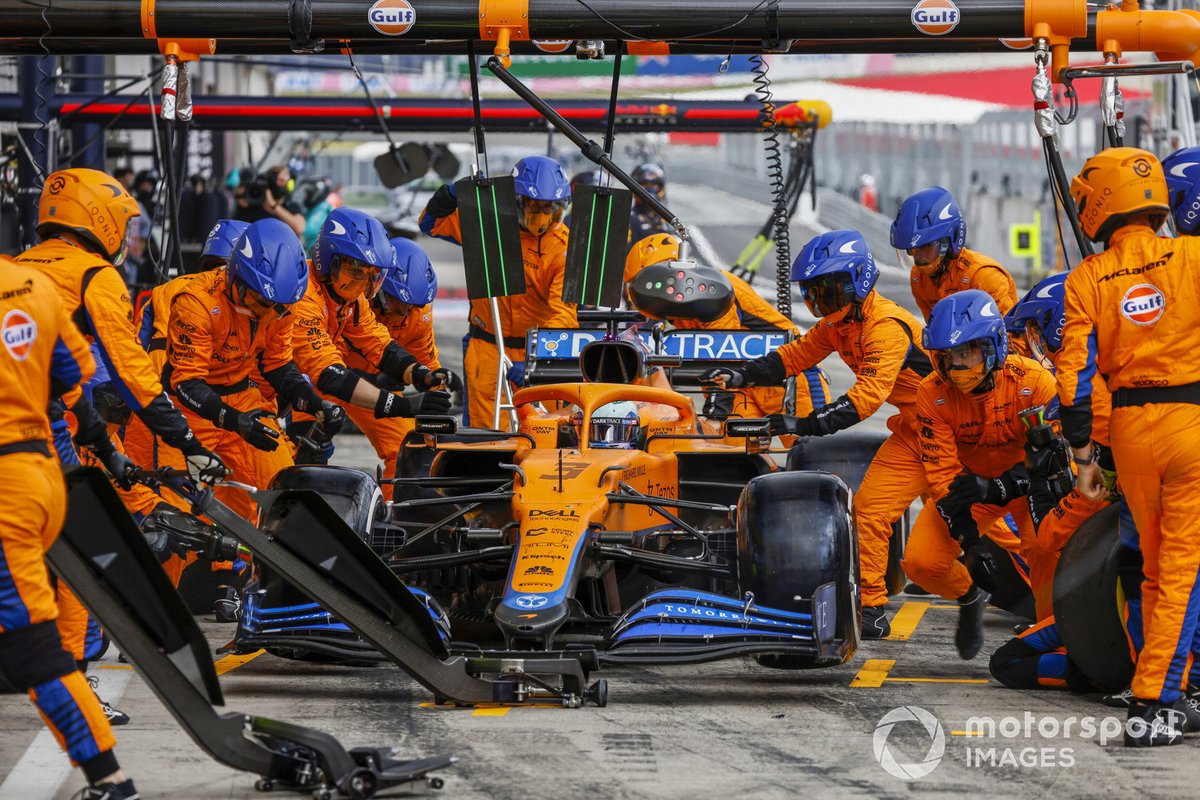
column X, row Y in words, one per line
column 552, row 355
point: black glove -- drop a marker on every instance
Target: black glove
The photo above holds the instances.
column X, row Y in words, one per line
column 425, row 403
column 965, row 490
column 249, row 426
column 1004, row 489
column 203, row 465
column 445, row 377
column 956, row 513
column 333, row 418
column 794, row 426
column 119, row 466
column 422, row 378
column 733, row 378
column 981, row 565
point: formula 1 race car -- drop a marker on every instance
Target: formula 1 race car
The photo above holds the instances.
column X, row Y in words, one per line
column 610, row 527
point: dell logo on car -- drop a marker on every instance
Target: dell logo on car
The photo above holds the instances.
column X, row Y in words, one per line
column 392, row 17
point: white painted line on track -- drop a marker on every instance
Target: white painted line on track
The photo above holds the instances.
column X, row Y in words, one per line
column 44, row 767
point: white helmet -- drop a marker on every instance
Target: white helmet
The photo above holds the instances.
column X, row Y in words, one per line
column 616, row 425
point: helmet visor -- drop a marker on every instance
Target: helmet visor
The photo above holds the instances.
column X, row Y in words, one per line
column 966, row 365
column 352, row 278
column 828, row 294
column 614, row 432
column 928, row 258
column 539, row 216
column 1039, row 349
column 254, row 302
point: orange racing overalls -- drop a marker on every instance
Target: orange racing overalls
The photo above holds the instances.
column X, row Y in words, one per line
column 540, row 306
column 1132, row 316
column 42, row 349
column 967, row 270
column 982, row 434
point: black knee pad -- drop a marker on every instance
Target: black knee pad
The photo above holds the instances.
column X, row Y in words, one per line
column 1015, row 664
column 34, row 655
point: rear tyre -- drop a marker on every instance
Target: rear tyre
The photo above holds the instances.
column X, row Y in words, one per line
column 1089, row 602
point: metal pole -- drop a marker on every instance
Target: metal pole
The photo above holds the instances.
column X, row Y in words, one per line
column 36, row 81
column 87, row 141
column 653, row 20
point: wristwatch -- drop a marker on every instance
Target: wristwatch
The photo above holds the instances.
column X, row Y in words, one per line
column 1083, row 462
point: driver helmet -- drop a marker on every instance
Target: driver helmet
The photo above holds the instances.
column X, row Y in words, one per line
column 616, row 425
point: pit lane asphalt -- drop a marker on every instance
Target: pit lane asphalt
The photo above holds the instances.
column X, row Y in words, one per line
column 721, row 729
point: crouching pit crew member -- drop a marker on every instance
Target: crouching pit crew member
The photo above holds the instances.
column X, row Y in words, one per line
column 334, row 320
column 972, row 447
column 223, row 326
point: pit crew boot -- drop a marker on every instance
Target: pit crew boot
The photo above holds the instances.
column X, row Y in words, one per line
column 1189, row 706
column 1119, row 700
column 968, row 638
column 1152, row 724
column 115, row 716
column 875, row 623
column 110, row 791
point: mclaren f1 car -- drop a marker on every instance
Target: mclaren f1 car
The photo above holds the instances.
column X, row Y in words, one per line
column 613, row 526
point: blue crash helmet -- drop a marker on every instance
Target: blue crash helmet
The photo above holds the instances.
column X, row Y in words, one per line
column 269, row 259
column 542, row 193
column 355, row 241
column 1182, row 170
column 930, row 215
column 413, row 281
column 834, row 270
column 1044, row 312
column 218, row 247
column 967, row 316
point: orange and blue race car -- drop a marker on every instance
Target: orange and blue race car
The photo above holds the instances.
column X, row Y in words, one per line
column 615, row 526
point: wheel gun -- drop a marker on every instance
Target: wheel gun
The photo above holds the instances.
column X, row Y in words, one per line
column 1046, row 453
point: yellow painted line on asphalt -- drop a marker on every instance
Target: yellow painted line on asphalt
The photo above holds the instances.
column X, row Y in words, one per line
column 906, row 620
column 873, row 673
column 937, row 680
column 114, row 666
column 229, row 663
column 491, row 712
column 876, row 671
column 966, row 733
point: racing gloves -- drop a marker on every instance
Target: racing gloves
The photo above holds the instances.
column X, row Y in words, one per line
column 733, row 378
column 203, row 465
column 448, row 379
column 332, row 417
column 424, row 379
column 838, row 415
column 249, row 425
column 516, row 373
column 92, row 433
column 423, row 404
